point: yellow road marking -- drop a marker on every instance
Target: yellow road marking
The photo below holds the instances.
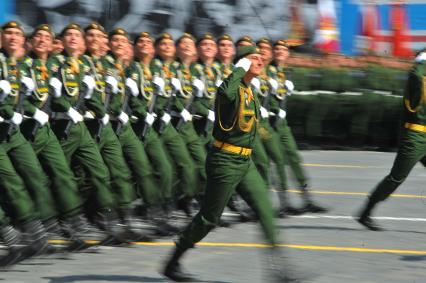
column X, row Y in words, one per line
column 302, row 247
column 355, row 194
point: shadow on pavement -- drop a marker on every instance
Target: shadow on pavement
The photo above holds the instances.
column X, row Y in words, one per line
column 413, row 257
column 95, row 277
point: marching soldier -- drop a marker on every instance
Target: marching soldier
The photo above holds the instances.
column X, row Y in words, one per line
column 191, row 89
column 14, row 87
column 412, row 144
column 122, row 105
column 141, row 72
column 101, row 130
column 169, row 85
column 229, row 165
column 45, row 143
column 73, row 87
column 206, row 71
column 266, row 86
column 288, row 144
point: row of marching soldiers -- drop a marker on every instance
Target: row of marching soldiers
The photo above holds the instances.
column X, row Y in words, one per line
column 86, row 131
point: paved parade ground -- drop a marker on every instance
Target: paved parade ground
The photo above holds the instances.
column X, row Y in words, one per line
column 332, row 246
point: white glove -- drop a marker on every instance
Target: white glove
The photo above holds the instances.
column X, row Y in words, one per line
column 211, row 116
column 282, row 114
column 105, row 119
column 56, row 84
column 74, row 115
column 123, row 117
column 110, row 80
column 255, row 82
column 1, row 119
column 218, row 83
column 5, row 89
column 199, row 85
column 149, row 119
column 273, row 84
column 243, row 63
column 29, row 85
column 16, row 118
column 89, row 81
column 176, row 84
column 41, row 117
column 159, row 82
column 166, row 118
column 186, row 116
column 421, row 57
column 131, row 84
column 289, row 85
column 264, row 113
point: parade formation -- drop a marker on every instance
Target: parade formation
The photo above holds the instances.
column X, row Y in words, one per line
column 102, row 136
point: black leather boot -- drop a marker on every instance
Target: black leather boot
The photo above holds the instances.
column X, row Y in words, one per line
column 310, row 206
column 365, row 219
column 13, row 240
column 286, row 208
column 173, row 269
column 36, row 236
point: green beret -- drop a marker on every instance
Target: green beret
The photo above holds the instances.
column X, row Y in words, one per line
column 119, row 31
column 224, row 37
column 144, row 34
column 264, row 40
column 245, row 38
column 206, row 36
column 185, row 35
column 243, row 51
column 44, row 27
column 72, row 26
column 96, row 26
column 12, row 24
column 164, row 35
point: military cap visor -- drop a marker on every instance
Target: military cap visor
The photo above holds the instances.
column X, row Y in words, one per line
column 224, row 37
column 43, row 27
column 72, row 26
column 163, row 36
column 289, row 42
column 244, row 51
column 264, row 40
column 12, row 24
column 119, row 31
column 206, row 36
column 185, row 35
column 94, row 26
column 245, row 39
column 144, row 34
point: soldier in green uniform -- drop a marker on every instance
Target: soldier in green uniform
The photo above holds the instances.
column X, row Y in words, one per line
column 207, row 71
column 412, row 147
column 14, row 88
column 73, row 86
column 192, row 88
column 266, row 86
column 141, row 72
column 100, row 128
column 289, row 147
column 122, row 104
column 225, row 54
column 166, row 80
column 229, row 165
column 44, row 142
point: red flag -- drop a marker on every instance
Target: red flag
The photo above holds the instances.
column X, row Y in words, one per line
column 327, row 36
column 369, row 35
column 400, row 38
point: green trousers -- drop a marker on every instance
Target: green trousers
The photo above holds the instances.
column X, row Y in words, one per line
column 227, row 172
column 139, row 164
column 157, row 155
column 272, row 145
column 260, row 159
column 14, row 195
column 25, row 162
column 182, row 161
column 51, row 156
column 112, row 154
column 80, row 147
column 291, row 155
column 412, row 149
column 197, row 150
